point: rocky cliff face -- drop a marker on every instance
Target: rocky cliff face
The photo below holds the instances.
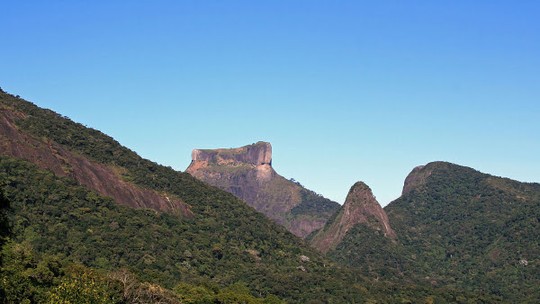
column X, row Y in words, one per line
column 247, row 173
column 360, row 208
column 416, row 178
column 256, row 154
column 213, row 165
column 52, row 156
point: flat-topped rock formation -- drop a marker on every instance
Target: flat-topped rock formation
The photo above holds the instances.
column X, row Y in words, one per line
column 256, row 154
column 247, row 173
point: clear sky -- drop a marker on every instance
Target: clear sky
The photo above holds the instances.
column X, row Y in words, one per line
column 344, row 90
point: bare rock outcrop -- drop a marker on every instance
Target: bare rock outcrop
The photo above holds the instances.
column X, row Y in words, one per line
column 420, row 175
column 416, row 178
column 360, row 208
column 256, row 157
column 256, row 154
column 247, row 173
column 101, row 178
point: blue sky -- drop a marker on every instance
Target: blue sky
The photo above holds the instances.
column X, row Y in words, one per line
column 344, row 90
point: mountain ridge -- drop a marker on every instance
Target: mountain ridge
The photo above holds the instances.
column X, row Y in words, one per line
column 462, row 235
column 56, row 213
column 457, row 227
column 52, row 156
column 247, row 173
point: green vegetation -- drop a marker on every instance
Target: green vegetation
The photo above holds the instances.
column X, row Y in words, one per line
column 4, row 221
column 464, row 237
column 28, row 277
column 224, row 243
column 461, row 230
column 371, row 252
column 55, row 217
column 314, row 204
column 473, row 231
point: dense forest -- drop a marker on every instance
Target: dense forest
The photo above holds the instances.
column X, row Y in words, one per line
column 61, row 232
column 63, row 242
column 224, row 244
column 460, row 229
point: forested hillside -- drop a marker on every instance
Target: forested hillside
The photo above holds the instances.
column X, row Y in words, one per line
column 460, row 229
column 219, row 242
column 85, row 220
column 473, row 231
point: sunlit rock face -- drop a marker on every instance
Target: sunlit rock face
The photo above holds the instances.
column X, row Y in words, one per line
column 256, row 154
column 247, row 173
column 360, row 208
column 102, row 178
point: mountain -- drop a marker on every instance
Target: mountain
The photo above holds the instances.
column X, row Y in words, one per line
column 360, row 208
column 456, row 228
column 86, row 220
column 49, row 151
column 471, row 230
column 247, row 173
column 83, row 211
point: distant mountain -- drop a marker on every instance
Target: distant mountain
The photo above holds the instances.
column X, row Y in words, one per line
column 360, row 208
column 247, row 173
column 456, row 228
column 77, row 197
column 84, row 219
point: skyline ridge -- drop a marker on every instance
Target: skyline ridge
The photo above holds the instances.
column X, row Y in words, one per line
column 368, row 89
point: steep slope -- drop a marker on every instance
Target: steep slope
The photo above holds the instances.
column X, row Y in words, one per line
column 247, row 173
column 360, row 208
column 63, row 162
column 457, row 228
column 206, row 238
column 471, row 230
column 61, row 179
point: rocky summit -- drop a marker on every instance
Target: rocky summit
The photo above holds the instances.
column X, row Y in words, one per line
column 247, row 173
column 360, row 208
column 77, row 207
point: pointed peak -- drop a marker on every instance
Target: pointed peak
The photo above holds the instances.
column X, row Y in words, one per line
column 360, row 186
column 360, row 193
column 360, row 208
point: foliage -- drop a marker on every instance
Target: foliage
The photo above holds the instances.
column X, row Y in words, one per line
column 24, row 276
column 314, row 204
column 225, row 252
column 370, row 252
column 236, row 293
column 459, row 230
column 195, row 294
column 58, row 217
column 84, row 286
column 4, row 220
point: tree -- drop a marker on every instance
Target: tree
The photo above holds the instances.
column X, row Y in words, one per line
column 194, row 294
column 4, row 220
column 24, row 278
column 85, row 286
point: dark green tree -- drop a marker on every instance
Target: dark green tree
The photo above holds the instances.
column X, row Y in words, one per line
column 4, row 220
